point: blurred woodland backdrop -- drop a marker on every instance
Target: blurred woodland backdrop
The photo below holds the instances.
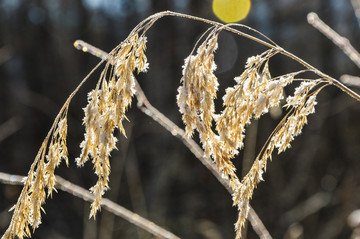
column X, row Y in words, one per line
column 308, row 192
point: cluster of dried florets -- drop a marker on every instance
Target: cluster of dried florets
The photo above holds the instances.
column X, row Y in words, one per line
column 302, row 104
column 27, row 212
column 106, row 110
column 253, row 95
column 196, row 96
column 196, row 102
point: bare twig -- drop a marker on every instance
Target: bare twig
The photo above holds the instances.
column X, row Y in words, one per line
column 271, row 45
column 342, row 42
column 310, row 206
column 19, row 224
column 356, row 6
column 350, row 80
column 145, row 106
column 107, row 204
column 257, row 225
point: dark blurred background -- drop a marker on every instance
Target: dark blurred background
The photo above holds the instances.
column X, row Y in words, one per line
column 309, row 191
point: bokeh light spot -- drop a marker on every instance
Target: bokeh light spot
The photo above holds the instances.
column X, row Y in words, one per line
column 231, row 10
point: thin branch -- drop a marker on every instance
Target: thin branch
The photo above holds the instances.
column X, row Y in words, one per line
column 310, row 206
column 107, row 204
column 278, row 48
column 342, row 42
column 356, row 6
column 41, row 153
column 350, row 80
column 151, row 20
column 145, row 106
column 257, row 225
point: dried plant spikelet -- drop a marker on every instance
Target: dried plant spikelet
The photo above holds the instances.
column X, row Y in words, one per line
column 21, row 221
column 102, row 164
column 101, row 114
column 125, row 65
column 101, row 185
column 50, row 166
column 196, row 103
column 184, row 101
column 106, row 109
column 240, row 103
column 273, row 92
column 37, row 197
column 22, row 216
column 288, row 128
column 199, row 86
column 300, row 93
column 91, row 115
column 252, row 96
column 103, row 100
column 243, row 196
column 275, row 89
column 141, row 60
column 294, row 124
column 27, row 211
column 213, row 146
column 57, row 151
column 62, row 131
column 253, row 61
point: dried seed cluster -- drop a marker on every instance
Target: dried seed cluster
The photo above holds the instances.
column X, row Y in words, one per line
column 196, row 103
column 254, row 93
column 106, row 111
column 27, row 211
column 288, row 128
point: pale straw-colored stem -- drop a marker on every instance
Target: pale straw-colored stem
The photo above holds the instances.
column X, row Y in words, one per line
column 350, row 80
column 41, row 153
column 151, row 20
column 107, row 204
column 279, row 49
column 145, row 106
column 356, row 6
column 340, row 41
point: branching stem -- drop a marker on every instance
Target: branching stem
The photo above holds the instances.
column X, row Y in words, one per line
column 107, row 204
column 145, row 106
column 279, row 49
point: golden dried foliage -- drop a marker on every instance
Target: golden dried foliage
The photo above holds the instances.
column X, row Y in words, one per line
column 27, row 211
column 254, row 93
column 106, row 109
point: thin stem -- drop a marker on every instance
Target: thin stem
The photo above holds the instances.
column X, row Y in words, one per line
column 350, row 80
column 356, row 6
column 107, row 204
column 41, row 153
column 279, row 49
column 340, row 41
column 145, row 106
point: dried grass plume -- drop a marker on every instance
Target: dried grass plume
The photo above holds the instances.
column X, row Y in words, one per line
column 221, row 132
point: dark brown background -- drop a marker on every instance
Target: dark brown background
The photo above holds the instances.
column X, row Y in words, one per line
column 153, row 173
